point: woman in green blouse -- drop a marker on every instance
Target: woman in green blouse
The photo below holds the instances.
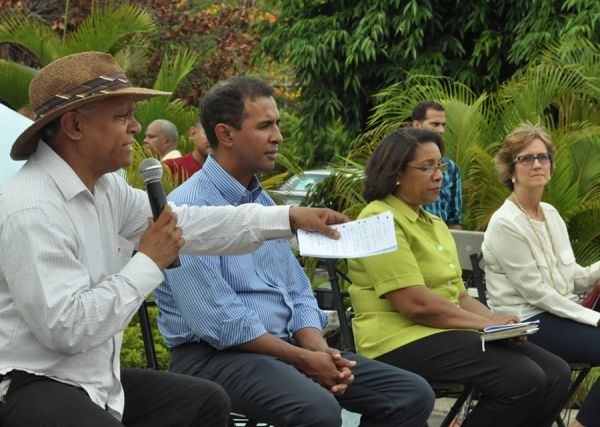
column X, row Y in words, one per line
column 412, row 309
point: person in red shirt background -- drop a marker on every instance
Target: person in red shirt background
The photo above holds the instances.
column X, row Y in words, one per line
column 185, row 166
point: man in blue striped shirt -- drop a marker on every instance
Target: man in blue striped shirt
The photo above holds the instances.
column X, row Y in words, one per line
column 251, row 323
column 431, row 115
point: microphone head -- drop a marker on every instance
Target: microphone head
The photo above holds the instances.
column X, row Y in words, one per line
column 151, row 170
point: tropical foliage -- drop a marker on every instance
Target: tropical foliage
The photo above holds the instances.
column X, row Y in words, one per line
column 346, row 51
column 559, row 89
column 113, row 30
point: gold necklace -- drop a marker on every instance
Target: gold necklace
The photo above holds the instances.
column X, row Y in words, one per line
column 543, row 248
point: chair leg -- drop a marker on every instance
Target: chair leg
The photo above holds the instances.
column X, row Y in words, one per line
column 455, row 410
column 572, row 389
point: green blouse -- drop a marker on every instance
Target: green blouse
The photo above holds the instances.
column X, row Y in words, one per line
column 426, row 255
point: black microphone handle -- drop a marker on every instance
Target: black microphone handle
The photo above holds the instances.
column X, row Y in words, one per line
column 158, row 200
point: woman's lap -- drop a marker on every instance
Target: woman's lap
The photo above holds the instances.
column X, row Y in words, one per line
column 457, row 356
column 567, row 338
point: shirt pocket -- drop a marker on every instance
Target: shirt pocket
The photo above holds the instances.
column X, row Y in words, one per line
column 567, row 257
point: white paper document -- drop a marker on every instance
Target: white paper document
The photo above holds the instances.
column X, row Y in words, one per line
column 369, row 236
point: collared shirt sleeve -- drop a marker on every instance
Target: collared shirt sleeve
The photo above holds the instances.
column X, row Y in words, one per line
column 454, row 202
column 306, row 312
column 209, row 230
column 209, row 305
column 64, row 309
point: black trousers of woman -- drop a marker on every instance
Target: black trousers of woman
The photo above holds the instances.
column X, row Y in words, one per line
column 522, row 387
column 152, row 398
column 575, row 343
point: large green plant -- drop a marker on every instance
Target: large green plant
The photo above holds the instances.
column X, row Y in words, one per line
column 346, row 51
column 115, row 30
column 559, row 89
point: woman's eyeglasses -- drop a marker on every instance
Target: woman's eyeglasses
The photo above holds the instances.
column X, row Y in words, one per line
column 430, row 170
column 529, row 159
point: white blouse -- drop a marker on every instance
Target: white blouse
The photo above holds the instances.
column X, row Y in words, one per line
column 518, row 275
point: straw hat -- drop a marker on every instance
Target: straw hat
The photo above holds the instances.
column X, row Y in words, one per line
column 69, row 83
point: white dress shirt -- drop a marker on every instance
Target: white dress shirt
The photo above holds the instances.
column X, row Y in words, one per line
column 518, row 275
column 68, row 283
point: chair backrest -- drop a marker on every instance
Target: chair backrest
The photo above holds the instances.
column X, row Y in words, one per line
column 338, row 303
column 467, row 243
column 478, row 276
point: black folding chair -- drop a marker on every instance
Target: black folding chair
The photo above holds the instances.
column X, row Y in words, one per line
column 583, row 369
column 235, row 420
column 347, row 344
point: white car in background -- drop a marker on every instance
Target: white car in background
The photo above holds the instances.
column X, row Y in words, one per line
column 294, row 190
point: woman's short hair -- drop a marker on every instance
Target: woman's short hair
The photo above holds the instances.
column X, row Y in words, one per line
column 515, row 142
column 391, row 157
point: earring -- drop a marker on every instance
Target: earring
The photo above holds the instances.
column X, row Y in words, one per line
column 513, row 180
column 397, row 182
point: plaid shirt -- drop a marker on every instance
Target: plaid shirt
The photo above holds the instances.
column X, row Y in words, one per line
column 449, row 203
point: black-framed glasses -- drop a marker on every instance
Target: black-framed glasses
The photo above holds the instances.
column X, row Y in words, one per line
column 430, row 170
column 529, row 159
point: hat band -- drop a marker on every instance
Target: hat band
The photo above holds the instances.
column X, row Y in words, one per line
column 103, row 84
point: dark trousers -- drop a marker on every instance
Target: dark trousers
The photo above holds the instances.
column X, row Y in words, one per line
column 574, row 342
column 152, row 398
column 269, row 390
column 524, row 387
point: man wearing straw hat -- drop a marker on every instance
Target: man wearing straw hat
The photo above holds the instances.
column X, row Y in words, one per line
column 68, row 281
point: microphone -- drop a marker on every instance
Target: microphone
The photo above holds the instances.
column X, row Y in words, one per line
column 151, row 172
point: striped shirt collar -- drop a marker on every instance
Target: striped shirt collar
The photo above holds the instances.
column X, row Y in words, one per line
column 234, row 192
column 67, row 181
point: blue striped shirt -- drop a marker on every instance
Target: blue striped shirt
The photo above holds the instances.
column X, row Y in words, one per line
column 230, row 300
column 449, row 202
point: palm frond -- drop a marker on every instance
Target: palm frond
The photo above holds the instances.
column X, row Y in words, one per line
column 14, row 83
column 584, row 229
column 26, row 29
column 102, row 30
column 133, row 59
column 170, row 75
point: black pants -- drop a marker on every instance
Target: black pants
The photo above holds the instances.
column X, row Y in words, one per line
column 574, row 342
column 152, row 399
column 524, row 387
column 269, row 390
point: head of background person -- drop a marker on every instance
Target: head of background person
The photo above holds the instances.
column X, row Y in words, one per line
column 429, row 115
column 93, row 129
column 526, row 159
column 201, row 145
column 406, row 164
column 241, row 121
column 161, row 137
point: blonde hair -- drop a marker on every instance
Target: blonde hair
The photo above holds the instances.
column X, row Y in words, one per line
column 514, row 142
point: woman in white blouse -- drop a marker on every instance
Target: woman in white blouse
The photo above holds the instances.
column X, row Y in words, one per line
column 530, row 266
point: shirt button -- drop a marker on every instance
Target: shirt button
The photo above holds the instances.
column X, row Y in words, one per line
column 449, row 282
column 452, row 298
column 440, row 248
column 235, row 204
column 451, row 266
